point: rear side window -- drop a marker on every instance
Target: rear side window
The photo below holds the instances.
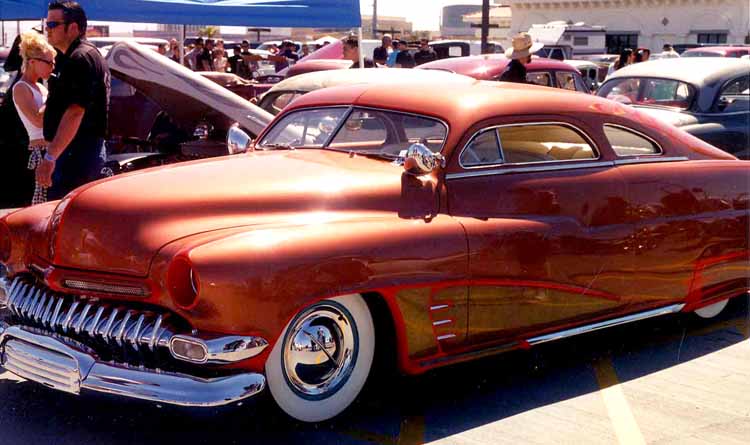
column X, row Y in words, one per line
column 565, row 80
column 540, row 78
column 629, row 143
column 523, row 144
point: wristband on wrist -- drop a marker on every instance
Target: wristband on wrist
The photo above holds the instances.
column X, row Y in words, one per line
column 49, row 157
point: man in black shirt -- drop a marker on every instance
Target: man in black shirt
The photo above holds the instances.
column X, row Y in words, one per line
column 404, row 59
column 205, row 60
column 75, row 120
column 380, row 54
column 425, row 53
column 520, row 54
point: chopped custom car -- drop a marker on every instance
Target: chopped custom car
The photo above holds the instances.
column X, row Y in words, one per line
column 541, row 71
column 370, row 225
column 708, row 98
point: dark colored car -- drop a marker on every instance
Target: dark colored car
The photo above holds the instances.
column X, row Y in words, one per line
column 541, row 71
column 707, row 97
column 162, row 112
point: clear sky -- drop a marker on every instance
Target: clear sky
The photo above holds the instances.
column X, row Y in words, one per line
column 424, row 14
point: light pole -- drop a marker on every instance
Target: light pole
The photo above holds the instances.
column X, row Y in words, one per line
column 375, row 19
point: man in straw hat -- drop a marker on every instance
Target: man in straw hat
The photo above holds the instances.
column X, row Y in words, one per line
column 521, row 52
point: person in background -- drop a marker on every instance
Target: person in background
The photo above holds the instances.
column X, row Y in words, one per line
column 391, row 61
column 191, row 58
column 641, row 55
column 236, row 63
column 404, row 59
column 29, row 97
column 305, row 51
column 380, row 54
column 220, row 60
column 288, row 50
column 520, row 53
column 174, row 51
column 75, row 119
column 351, row 52
column 668, row 52
column 425, row 53
column 205, row 60
column 627, row 57
column 162, row 49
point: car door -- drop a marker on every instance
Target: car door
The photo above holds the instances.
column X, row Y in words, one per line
column 545, row 216
column 731, row 110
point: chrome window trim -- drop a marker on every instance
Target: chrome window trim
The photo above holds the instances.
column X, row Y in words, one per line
column 628, row 161
column 496, row 127
column 635, row 132
column 541, row 168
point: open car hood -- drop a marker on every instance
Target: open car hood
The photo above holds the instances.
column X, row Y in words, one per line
column 186, row 96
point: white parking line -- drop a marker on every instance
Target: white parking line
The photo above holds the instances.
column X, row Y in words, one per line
column 626, row 428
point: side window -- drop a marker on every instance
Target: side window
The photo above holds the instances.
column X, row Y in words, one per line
column 484, row 149
column 737, row 86
column 118, row 88
column 565, row 80
column 540, row 78
column 282, row 100
column 540, row 143
column 628, row 143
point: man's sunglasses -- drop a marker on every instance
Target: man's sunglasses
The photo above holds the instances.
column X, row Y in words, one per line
column 54, row 24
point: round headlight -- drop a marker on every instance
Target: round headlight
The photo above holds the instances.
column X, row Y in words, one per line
column 183, row 283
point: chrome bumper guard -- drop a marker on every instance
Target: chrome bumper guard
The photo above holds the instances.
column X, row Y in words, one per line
column 70, row 367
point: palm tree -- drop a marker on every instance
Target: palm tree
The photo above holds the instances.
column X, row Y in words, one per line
column 209, row 32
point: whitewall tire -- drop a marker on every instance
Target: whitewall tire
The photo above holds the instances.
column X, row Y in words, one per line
column 321, row 361
column 712, row 310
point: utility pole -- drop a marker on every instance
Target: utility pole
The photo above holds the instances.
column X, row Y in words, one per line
column 375, row 19
column 485, row 25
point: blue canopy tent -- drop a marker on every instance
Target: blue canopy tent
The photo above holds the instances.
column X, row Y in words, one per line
column 281, row 13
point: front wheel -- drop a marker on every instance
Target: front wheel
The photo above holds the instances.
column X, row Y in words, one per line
column 321, row 361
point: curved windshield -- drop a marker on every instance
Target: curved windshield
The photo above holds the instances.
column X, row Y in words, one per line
column 648, row 91
column 364, row 130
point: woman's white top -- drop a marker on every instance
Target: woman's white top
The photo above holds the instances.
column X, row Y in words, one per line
column 40, row 97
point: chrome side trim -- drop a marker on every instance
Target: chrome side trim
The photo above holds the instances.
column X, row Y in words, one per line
column 605, row 324
column 656, row 158
column 62, row 366
column 509, row 169
column 437, row 307
column 441, row 322
column 446, row 337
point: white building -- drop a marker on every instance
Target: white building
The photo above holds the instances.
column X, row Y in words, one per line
column 500, row 22
column 643, row 23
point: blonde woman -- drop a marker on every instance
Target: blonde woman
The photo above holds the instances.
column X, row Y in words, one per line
column 29, row 97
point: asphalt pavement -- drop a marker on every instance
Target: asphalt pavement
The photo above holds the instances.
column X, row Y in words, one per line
column 670, row 380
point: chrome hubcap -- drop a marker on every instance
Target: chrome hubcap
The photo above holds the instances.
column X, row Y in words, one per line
column 320, row 350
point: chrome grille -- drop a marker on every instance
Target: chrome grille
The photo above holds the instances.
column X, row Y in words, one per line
column 111, row 323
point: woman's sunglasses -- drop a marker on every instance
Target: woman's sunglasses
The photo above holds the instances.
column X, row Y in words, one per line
column 48, row 62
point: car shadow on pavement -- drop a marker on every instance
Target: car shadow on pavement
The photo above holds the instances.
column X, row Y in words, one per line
column 400, row 410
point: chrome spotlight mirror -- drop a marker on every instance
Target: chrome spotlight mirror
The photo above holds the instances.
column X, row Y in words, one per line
column 420, row 160
column 237, row 140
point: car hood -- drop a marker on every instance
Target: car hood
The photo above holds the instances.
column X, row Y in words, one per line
column 183, row 94
column 117, row 225
column 676, row 118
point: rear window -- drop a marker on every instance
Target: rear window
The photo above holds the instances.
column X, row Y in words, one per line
column 649, row 91
column 627, row 143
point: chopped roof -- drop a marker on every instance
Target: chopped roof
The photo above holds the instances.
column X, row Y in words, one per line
column 490, row 66
column 697, row 71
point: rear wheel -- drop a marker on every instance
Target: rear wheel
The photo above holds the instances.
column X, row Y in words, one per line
column 712, row 310
column 322, row 360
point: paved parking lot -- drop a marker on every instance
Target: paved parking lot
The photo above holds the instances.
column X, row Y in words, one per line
column 673, row 380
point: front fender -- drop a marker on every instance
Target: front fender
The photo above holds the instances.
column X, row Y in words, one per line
column 257, row 280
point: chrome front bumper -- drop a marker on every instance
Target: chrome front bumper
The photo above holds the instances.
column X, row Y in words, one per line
column 67, row 366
